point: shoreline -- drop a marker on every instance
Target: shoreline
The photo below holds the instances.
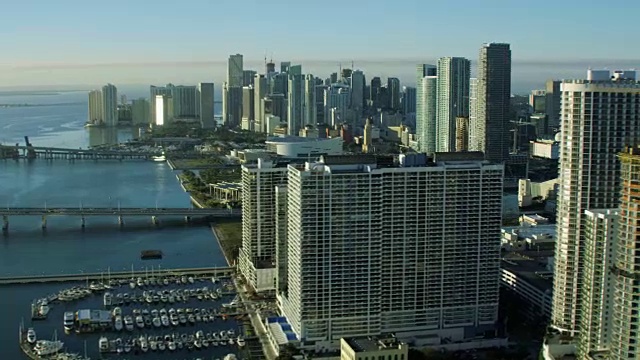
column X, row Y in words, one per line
column 220, row 238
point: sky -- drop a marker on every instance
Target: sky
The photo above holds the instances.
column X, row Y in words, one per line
column 73, row 42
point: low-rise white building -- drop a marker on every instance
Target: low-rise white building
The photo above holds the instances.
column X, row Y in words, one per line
column 303, row 147
column 548, row 149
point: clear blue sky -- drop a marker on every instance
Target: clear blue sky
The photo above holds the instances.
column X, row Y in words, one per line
column 73, row 41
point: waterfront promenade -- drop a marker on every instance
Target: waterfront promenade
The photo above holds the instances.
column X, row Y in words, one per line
column 207, row 271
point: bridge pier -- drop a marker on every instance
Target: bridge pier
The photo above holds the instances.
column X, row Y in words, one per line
column 82, row 222
column 120, row 220
column 5, row 223
column 44, row 222
column 155, row 221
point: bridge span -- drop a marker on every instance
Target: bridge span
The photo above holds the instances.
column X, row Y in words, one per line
column 120, row 212
column 73, row 154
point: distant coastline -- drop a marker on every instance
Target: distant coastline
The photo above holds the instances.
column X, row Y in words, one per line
column 35, row 92
column 40, row 105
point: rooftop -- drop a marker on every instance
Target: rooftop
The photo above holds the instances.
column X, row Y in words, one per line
column 363, row 344
column 295, row 139
column 530, row 266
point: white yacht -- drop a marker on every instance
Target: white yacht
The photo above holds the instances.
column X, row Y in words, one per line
column 159, row 158
column 240, row 342
column 44, row 308
column 230, row 357
column 165, row 320
column 144, row 345
column 103, row 344
column 118, row 323
column 47, row 347
column 139, row 321
column 68, row 321
column 117, row 311
column 31, row 336
column 157, row 322
column 107, row 299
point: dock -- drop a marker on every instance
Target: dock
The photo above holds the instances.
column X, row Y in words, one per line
column 211, row 271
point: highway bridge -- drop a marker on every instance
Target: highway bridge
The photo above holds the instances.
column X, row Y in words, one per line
column 72, row 154
column 120, row 212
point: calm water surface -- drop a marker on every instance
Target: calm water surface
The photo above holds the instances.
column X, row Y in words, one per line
column 102, row 246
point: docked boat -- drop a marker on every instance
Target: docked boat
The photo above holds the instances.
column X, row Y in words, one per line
column 144, row 345
column 191, row 280
column 117, row 311
column 103, row 345
column 31, row 336
column 128, row 323
column 231, row 342
column 107, row 299
column 44, row 309
column 230, row 357
column 47, row 347
column 198, row 344
column 165, row 320
column 139, row 321
column 159, row 158
column 241, row 342
column 67, row 321
column 117, row 323
column 171, row 345
column 161, row 345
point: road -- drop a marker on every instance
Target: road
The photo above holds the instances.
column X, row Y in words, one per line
column 256, row 321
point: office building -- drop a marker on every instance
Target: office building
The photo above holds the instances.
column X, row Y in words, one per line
column 309, row 102
column 452, row 99
column 598, row 119
column 284, row 66
column 360, row 262
column 231, row 105
column 600, row 232
column 357, row 83
column 374, row 93
column 235, row 71
column 257, row 259
column 295, row 100
column 259, row 92
column 270, row 67
column 538, row 101
column 140, row 112
column 153, row 92
column 345, row 74
column 426, row 107
column 95, row 107
column 625, row 269
column 408, row 100
column 333, row 78
column 393, row 93
column 336, row 101
column 552, row 102
column 493, row 101
column 206, row 105
column 110, row 105
column 248, row 108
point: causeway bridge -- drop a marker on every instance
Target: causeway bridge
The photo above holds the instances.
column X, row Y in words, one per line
column 119, row 212
column 75, row 154
column 31, row 279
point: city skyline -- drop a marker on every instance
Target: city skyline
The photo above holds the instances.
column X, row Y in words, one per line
column 82, row 52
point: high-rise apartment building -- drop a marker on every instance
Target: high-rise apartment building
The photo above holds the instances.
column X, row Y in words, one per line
column 552, row 102
column 248, row 76
column 494, row 97
column 474, row 129
column 110, row 105
column 357, row 83
column 185, row 101
column 462, row 133
column 336, row 97
column 232, row 92
column 248, row 108
column 374, row 93
column 452, row 99
column 393, row 93
column 206, row 105
column 154, row 91
column 140, row 112
column 600, row 232
column 257, row 259
column 538, row 101
column 309, row 103
column 425, row 107
column 361, row 261
column 164, row 110
column 598, row 118
column 95, row 107
column 408, row 100
column 625, row 322
column 284, row 66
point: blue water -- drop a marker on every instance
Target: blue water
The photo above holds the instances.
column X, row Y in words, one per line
column 103, row 245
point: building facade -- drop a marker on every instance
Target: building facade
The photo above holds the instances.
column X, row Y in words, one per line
column 336, row 97
column 362, row 260
column 295, row 103
column 110, row 105
column 598, row 118
column 493, row 101
column 140, row 111
column 95, row 107
column 206, row 105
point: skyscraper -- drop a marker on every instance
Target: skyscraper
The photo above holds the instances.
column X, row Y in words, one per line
column 552, row 102
column 248, row 108
column 393, row 93
column 295, row 100
column 625, row 267
column 494, row 96
column 206, row 105
column 260, row 91
column 309, row 103
column 462, row 133
column 284, row 66
column 95, row 107
column 110, row 105
column 153, row 92
column 408, row 100
column 597, row 121
column 185, row 101
column 235, row 71
column 248, row 77
column 258, row 252
column 140, row 111
column 374, row 92
column 476, row 142
column 357, row 83
column 336, row 97
column 426, row 110
column 452, row 99
column 371, row 268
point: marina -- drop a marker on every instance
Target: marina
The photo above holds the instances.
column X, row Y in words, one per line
column 143, row 315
